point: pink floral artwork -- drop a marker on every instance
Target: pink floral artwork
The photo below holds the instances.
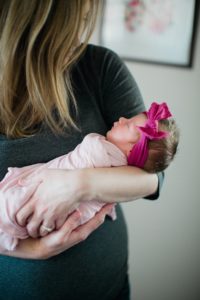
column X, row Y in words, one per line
column 134, row 12
column 154, row 15
column 159, row 15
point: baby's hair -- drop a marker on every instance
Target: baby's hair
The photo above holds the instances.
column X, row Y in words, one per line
column 162, row 152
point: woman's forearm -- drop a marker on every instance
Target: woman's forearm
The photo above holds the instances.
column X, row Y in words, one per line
column 117, row 184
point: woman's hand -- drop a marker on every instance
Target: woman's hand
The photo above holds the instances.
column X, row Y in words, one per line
column 57, row 195
column 58, row 241
column 66, row 237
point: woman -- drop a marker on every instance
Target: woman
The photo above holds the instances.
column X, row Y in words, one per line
column 54, row 91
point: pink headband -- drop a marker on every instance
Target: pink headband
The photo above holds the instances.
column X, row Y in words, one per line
column 139, row 152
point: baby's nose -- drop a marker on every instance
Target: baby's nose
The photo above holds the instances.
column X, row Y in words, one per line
column 122, row 120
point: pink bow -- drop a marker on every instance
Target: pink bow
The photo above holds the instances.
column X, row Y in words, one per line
column 139, row 152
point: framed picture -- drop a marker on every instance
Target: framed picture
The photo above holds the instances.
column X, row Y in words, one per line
column 155, row 31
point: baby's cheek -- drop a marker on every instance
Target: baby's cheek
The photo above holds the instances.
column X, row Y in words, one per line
column 135, row 135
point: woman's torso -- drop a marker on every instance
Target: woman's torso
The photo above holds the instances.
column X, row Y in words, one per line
column 96, row 268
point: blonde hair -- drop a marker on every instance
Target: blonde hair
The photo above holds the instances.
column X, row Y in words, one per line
column 38, row 46
column 162, row 152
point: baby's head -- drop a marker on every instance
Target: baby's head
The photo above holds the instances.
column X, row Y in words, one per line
column 161, row 152
column 149, row 140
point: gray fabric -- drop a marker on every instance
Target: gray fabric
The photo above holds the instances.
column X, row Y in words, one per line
column 96, row 268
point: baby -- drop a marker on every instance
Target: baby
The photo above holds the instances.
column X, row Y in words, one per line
column 148, row 140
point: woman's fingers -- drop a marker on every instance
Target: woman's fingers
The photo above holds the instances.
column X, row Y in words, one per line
column 71, row 233
column 60, row 222
column 72, row 222
column 82, row 232
column 24, row 213
column 46, row 229
column 33, row 226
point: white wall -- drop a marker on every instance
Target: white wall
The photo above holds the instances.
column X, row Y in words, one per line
column 163, row 235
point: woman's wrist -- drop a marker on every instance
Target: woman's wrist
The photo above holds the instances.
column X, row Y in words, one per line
column 94, row 185
column 81, row 184
column 119, row 184
column 84, row 186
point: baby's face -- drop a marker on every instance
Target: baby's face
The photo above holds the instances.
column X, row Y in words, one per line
column 125, row 133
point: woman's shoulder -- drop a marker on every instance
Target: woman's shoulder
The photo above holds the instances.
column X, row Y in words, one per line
column 100, row 50
column 100, row 56
column 96, row 66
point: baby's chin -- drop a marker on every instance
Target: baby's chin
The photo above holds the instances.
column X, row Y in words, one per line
column 108, row 135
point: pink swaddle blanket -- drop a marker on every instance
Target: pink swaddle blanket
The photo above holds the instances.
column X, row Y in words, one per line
column 94, row 151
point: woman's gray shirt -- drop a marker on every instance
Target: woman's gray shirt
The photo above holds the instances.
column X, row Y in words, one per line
column 96, row 268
